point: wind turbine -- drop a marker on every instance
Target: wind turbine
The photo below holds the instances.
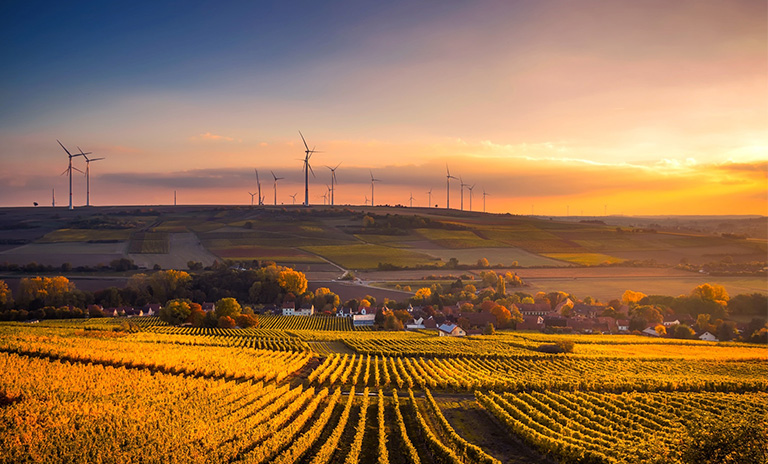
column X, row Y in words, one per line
column 53, row 197
column 429, row 203
column 325, row 197
column 411, row 200
column 462, row 192
column 258, row 185
column 333, row 180
column 88, row 176
column 372, row 181
column 470, row 196
column 448, row 178
column 276, row 179
column 366, row 200
column 69, row 170
column 252, row 195
column 294, row 198
column 484, row 195
column 307, row 168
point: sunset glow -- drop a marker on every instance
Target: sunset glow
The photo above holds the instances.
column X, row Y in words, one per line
column 552, row 108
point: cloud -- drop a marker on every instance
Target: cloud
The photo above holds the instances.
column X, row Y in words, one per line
column 215, row 138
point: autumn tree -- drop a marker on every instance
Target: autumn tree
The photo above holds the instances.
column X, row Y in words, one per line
column 483, row 263
column 631, row 297
column 175, row 311
column 712, row 292
column 227, row 307
column 292, row 281
column 48, row 291
column 6, row 299
column 683, row 331
column 226, row 322
column 247, row 320
column 325, row 300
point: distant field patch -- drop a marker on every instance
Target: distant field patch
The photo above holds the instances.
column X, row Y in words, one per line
column 367, row 256
column 669, row 350
column 149, row 243
column 277, row 254
column 505, row 256
column 458, row 239
column 86, row 235
column 584, row 259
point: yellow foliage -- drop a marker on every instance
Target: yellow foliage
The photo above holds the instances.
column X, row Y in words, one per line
column 632, row 297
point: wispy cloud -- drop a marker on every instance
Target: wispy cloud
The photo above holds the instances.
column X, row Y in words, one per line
column 215, row 138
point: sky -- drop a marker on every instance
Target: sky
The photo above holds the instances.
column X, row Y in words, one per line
column 550, row 107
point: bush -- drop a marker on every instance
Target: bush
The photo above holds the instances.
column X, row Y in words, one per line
column 562, row 346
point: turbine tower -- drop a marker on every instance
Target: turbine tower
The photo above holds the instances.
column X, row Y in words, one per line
column 372, row 181
column 429, row 202
column 69, row 170
column 411, row 200
column 307, row 168
column 258, row 185
column 276, row 179
column 484, row 195
column 333, row 181
column 448, row 178
column 88, row 176
column 470, row 196
column 461, row 182
column 53, row 197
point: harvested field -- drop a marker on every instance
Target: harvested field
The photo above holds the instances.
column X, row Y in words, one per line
column 367, row 256
column 458, row 239
column 584, row 259
column 183, row 248
column 277, row 254
column 56, row 254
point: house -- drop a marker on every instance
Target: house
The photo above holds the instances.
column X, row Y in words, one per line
column 110, row 312
column 415, row 324
column 534, row 309
column 451, row 330
column 587, row 310
column 582, row 325
column 344, row 312
column 208, row 307
column 363, row 319
column 430, row 323
column 670, row 321
column 623, row 325
column 555, row 321
column 150, row 309
column 651, row 331
column 305, row 310
column 566, row 303
column 479, row 319
column 531, row 323
column 288, row 308
column 609, row 323
column 708, row 336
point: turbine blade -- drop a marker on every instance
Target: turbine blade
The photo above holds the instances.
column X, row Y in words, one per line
column 65, row 149
column 302, row 139
column 77, row 170
column 65, row 171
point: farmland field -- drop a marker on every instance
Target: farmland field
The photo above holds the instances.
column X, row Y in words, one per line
column 368, row 256
column 288, row 392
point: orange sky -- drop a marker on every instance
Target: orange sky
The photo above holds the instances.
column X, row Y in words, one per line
column 552, row 107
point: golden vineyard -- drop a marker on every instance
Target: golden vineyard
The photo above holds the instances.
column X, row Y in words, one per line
column 89, row 391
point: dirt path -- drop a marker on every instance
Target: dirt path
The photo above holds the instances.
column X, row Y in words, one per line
column 474, row 424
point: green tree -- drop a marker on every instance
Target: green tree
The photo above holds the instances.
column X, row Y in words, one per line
column 489, row 329
column 392, row 323
column 175, row 312
column 683, row 331
column 228, row 307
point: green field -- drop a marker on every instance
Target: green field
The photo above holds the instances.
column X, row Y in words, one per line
column 368, row 256
column 584, row 259
column 86, row 235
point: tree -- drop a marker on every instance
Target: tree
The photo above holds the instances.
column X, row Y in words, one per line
column 422, row 295
column 175, row 312
column 489, row 329
column 247, row 320
column 660, row 330
column 503, row 316
column 501, row 287
column 527, row 300
column 754, row 304
column 292, row 281
column 325, row 300
column 392, row 323
column 95, row 311
column 713, row 292
column 48, row 291
column 702, row 322
column 483, row 263
column 226, row 322
column 6, row 299
column 196, row 315
column 630, row 297
column 228, row 307
column 726, row 331
column 683, row 331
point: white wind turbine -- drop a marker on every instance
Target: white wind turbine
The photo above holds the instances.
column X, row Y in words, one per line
column 276, row 179
column 307, row 168
column 294, row 198
column 470, row 195
column 411, row 200
column 485, row 194
column 448, row 178
column 252, row 195
column 372, row 183
column 429, row 202
column 258, row 185
column 462, row 192
column 334, row 182
column 69, row 170
column 88, row 176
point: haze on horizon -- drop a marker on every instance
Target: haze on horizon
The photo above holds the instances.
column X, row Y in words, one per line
column 552, row 107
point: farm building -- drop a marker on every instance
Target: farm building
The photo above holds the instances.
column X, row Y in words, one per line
column 708, row 336
column 363, row 319
column 451, row 330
